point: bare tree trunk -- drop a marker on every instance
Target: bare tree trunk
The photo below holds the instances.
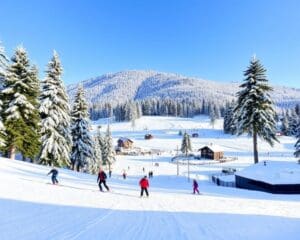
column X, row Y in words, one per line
column 255, row 151
column 77, row 168
column 12, row 152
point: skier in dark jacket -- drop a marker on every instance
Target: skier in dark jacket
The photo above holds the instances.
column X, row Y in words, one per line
column 102, row 179
column 144, row 184
column 54, row 173
column 195, row 187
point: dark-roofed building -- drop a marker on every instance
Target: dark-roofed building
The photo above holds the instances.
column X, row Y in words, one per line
column 148, row 136
column 125, row 142
column 212, row 152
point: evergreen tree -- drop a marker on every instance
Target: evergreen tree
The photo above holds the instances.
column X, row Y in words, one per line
column 297, row 145
column 55, row 114
column 186, row 145
column 212, row 116
column 3, row 70
column 102, row 142
column 82, row 148
column 227, row 118
column 254, row 113
column 3, row 65
column 284, row 125
column 293, row 120
column 108, row 150
column 33, row 145
column 20, row 114
column 297, row 109
column 2, row 130
column 96, row 162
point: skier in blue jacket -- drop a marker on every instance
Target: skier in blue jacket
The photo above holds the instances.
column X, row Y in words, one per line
column 54, row 173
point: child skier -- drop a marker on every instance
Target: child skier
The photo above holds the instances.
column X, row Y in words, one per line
column 195, row 187
column 144, row 184
column 54, row 173
column 102, row 179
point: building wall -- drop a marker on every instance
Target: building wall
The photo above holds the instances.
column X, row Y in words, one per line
column 251, row 184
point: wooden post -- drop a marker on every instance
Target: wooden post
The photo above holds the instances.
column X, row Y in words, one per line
column 188, row 169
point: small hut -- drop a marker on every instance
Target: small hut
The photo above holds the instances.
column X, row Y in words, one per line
column 148, row 136
column 125, row 143
column 211, row 151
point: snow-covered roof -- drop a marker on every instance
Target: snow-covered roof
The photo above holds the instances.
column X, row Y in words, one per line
column 275, row 172
column 213, row 147
column 124, row 139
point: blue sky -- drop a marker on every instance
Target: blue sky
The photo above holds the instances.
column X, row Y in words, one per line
column 212, row 39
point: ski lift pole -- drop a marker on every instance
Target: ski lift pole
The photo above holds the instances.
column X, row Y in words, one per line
column 152, row 158
column 177, row 163
column 188, row 169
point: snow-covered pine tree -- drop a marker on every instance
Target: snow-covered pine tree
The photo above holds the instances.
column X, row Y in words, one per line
column 284, row 125
column 20, row 107
column 297, row 109
column 82, row 148
column 231, row 121
column 254, row 112
column 217, row 111
column 55, row 114
column 102, row 142
column 293, row 120
column 96, row 162
column 108, row 150
column 3, row 69
column 186, row 145
column 138, row 109
column 3, row 65
column 33, row 146
column 212, row 115
column 2, row 129
column 227, row 118
column 297, row 145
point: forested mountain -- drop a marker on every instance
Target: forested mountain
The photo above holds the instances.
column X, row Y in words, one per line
column 139, row 85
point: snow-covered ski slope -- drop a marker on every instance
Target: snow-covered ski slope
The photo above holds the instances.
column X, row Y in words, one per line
column 32, row 209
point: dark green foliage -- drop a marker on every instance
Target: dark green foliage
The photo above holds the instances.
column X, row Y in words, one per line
column 186, row 145
column 254, row 113
column 82, row 148
column 20, row 107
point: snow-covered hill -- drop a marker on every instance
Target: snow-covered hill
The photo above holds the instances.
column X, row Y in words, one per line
column 137, row 85
column 32, row 209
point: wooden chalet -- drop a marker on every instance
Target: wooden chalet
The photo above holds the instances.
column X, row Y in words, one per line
column 125, row 143
column 211, row 152
column 148, row 136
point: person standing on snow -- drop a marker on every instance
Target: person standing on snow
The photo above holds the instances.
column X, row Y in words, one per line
column 54, row 173
column 124, row 174
column 144, row 184
column 195, row 187
column 102, row 179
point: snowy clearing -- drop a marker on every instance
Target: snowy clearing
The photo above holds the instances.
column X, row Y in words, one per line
column 32, row 209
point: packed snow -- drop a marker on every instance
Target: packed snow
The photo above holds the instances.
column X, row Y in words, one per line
column 32, row 208
column 273, row 172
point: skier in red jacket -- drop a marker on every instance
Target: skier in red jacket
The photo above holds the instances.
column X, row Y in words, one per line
column 102, row 179
column 144, row 183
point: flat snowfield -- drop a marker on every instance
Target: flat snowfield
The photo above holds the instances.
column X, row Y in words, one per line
column 32, row 208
